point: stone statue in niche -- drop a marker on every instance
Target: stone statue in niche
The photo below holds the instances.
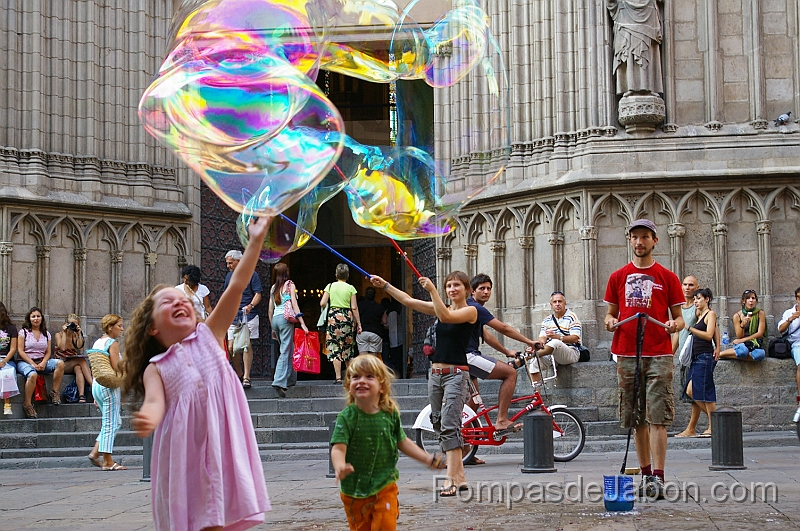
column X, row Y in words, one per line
column 637, row 63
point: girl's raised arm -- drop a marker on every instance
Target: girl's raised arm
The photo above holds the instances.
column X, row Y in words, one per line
column 222, row 316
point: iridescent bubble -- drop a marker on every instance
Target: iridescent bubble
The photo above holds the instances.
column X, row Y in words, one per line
column 236, row 99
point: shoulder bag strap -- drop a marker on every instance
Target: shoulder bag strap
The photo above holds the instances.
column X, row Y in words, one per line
column 555, row 321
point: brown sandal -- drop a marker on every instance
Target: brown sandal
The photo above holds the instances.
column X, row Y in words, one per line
column 30, row 411
column 54, row 398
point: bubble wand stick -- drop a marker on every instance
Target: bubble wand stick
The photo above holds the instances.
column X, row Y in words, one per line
column 328, row 247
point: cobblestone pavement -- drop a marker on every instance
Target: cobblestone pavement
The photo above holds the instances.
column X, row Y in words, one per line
column 302, row 498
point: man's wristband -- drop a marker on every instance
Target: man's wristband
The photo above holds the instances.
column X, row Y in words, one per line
column 386, row 286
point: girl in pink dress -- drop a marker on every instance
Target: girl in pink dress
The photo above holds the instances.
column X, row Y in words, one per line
column 206, row 471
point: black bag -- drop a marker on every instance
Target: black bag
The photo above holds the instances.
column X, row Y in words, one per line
column 71, row 393
column 780, row 348
column 583, row 353
column 429, row 344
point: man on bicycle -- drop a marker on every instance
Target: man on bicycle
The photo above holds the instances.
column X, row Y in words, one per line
column 644, row 285
column 486, row 367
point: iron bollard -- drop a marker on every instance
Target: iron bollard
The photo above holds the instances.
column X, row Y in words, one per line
column 538, row 443
column 726, row 440
column 147, row 452
column 331, row 472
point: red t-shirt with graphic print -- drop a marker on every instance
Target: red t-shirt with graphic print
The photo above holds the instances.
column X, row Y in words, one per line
column 652, row 290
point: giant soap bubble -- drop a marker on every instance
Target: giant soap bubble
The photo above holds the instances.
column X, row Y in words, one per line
column 237, row 99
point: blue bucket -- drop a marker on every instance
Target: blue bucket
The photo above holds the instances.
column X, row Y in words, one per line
column 618, row 494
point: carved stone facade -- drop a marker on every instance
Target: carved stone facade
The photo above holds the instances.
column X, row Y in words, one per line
column 93, row 212
column 718, row 177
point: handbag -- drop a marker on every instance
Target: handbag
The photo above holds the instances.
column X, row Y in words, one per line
column 8, row 382
column 71, row 393
column 323, row 315
column 288, row 309
column 306, row 352
column 584, row 354
column 780, row 348
column 241, row 336
column 685, row 356
column 102, row 371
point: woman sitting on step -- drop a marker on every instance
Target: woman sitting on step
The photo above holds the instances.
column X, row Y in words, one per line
column 751, row 325
column 69, row 343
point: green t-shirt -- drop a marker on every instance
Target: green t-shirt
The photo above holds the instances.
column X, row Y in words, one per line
column 340, row 293
column 371, row 441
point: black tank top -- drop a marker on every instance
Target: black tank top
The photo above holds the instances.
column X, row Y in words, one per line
column 699, row 345
column 451, row 342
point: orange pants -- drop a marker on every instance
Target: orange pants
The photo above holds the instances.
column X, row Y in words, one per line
column 376, row 513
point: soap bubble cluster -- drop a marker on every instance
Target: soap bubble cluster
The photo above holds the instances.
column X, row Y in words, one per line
column 237, row 99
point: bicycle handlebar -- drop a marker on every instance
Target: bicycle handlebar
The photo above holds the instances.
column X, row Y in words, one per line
column 638, row 315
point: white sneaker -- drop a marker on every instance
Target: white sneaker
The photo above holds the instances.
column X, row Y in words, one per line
column 7, row 409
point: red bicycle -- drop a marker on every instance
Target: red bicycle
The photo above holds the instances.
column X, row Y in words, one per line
column 478, row 430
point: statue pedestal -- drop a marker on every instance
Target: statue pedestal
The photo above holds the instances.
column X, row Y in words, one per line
column 640, row 114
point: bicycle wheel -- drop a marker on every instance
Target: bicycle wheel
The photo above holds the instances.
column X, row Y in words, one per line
column 567, row 445
column 428, row 441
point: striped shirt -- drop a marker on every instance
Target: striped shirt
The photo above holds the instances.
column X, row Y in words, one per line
column 568, row 322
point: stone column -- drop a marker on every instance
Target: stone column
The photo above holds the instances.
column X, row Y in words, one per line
column 182, row 261
column 471, row 252
column 445, row 256
column 6, row 248
column 556, row 239
column 527, row 243
column 676, row 233
column 721, row 267
column 79, row 303
column 150, row 260
column 498, row 247
column 589, row 239
column 116, row 281
column 764, row 229
column 43, row 277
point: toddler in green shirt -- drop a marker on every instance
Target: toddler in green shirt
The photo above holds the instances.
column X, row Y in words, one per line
column 365, row 441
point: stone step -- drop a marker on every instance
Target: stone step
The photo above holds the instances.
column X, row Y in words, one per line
column 131, row 456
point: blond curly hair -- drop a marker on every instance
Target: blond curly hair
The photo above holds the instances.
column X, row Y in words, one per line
column 369, row 364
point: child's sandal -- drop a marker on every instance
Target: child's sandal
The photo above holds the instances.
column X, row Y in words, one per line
column 81, row 399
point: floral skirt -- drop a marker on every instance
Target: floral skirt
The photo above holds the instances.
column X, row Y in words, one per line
column 340, row 340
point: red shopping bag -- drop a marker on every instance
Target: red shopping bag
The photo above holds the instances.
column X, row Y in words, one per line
column 306, row 352
column 40, row 394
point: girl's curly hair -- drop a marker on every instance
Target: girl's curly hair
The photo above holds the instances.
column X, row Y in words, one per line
column 368, row 364
column 140, row 346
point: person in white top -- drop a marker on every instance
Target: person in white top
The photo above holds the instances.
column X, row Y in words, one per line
column 790, row 324
column 560, row 334
column 197, row 293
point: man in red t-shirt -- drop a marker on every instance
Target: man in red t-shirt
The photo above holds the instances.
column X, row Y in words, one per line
column 646, row 286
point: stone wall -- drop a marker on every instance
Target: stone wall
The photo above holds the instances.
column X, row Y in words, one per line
column 719, row 177
column 93, row 211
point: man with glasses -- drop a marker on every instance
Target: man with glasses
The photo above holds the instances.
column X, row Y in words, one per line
column 790, row 324
column 560, row 334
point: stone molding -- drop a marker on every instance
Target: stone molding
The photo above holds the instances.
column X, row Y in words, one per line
column 639, row 113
